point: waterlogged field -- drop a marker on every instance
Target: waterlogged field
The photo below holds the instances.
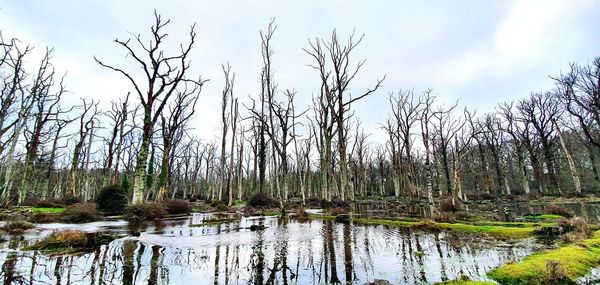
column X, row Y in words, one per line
column 193, row 251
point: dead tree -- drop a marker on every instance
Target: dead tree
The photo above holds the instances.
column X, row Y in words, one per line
column 15, row 99
column 405, row 115
column 118, row 116
column 462, row 144
column 86, row 126
column 226, row 95
column 538, row 111
column 173, row 128
column 445, row 128
column 323, row 121
column 234, row 115
column 425, row 119
column 337, row 80
column 46, row 108
column 163, row 74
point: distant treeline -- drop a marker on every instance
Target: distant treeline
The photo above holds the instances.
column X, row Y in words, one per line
column 546, row 143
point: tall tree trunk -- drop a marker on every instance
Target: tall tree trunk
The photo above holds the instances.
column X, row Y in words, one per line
column 572, row 167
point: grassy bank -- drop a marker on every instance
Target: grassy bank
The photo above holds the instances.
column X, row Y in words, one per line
column 516, row 230
column 558, row 266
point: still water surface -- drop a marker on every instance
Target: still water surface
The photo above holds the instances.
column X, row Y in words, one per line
column 285, row 252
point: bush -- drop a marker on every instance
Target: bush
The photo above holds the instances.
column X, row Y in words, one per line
column 576, row 229
column 444, row 217
column 429, row 225
column 338, row 211
column 70, row 239
column 451, row 204
column 313, row 202
column 112, row 200
column 70, row 200
column 177, row 206
column 219, row 205
column 81, row 213
column 558, row 210
column 463, row 216
column 554, row 273
column 482, row 196
column 262, row 200
column 17, row 227
column 148, row 211
column 43, row 218
column 302, row 215
column 335, row 203
column 50, row 203
column 31, row 201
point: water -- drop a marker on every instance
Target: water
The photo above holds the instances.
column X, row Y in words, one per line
column 489, row 209
column 285, row 252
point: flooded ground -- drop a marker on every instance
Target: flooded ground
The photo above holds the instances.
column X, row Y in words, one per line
column 514, row 210
column 286, row 252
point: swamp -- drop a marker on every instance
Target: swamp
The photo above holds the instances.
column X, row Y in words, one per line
column 300, row 142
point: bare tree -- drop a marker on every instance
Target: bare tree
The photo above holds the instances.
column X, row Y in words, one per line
column 234, row 115
column 341, row 75
column 173, row 130
column 86, row 126
column 163, row 74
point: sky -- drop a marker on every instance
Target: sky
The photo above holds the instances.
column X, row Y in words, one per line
column 478, row 52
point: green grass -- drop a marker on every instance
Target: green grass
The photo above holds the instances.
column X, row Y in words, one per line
column 239, row 203
column 574, row 261
column 463, row 282
column 48, row 210
column 498, row 229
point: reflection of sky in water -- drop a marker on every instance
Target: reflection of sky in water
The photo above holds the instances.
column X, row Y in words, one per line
column 232, row 254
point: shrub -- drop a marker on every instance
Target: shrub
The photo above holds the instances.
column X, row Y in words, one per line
column 482, row 196
column 70, row 239
column 31, row 201
column 335, row 203
column 343, row 218
column 50, row 203
column 177, row 206
column 576, row 229
column 112, row 200
column 558, row 210
column 340, row 204
column 338, row 211
column 463, row 216
column 302, row 215
column 219, row 205
column 43, row 218
column 148, row 211
column 262, row 200
column 193, row 198
column 70, row 200
column 532, row 196
column 450, row 204
column 81, row 213
column 574, row 195
column 313, row 202
column 554, row 273
column 444, row 217
column 17, row 227
column 429, row 225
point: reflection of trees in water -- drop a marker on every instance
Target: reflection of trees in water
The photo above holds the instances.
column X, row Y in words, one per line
column 281, row 254
column 348, row 263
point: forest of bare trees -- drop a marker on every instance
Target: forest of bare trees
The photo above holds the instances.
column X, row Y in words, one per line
column 546, row 143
